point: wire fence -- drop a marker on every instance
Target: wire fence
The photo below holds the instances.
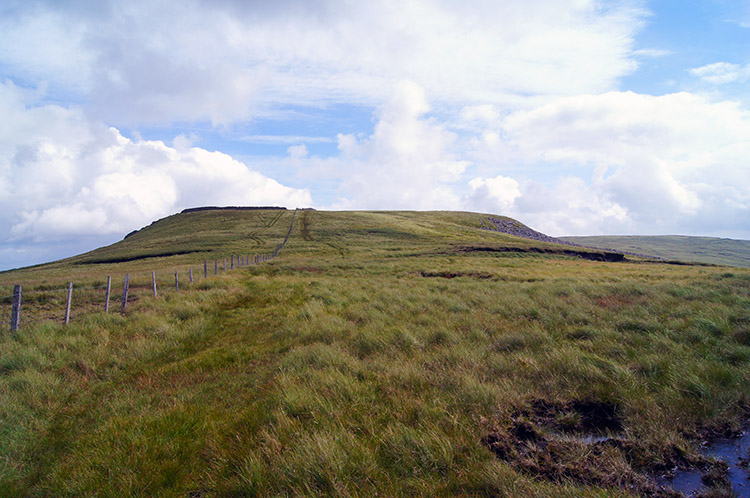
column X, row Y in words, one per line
column 35, row 304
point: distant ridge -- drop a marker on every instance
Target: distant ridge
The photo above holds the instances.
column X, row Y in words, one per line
column 705, row 250
column 236, row 208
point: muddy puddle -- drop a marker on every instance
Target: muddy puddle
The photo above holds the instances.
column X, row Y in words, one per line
column 583, row 441
column 735, row 452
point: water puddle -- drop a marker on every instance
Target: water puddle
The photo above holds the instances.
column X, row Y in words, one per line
column 581, row 438
column 734, row 452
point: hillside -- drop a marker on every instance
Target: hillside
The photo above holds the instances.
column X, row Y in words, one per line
column 709, row 250
column 380, row 354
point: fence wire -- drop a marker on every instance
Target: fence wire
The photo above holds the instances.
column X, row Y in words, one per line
column 45, row 303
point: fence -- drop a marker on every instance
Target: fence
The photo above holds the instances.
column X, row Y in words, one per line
column 47, row 303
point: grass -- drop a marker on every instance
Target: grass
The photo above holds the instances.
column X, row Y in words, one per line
column 373, row 357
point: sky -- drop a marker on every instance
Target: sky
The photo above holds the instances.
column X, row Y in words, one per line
column 576, row 117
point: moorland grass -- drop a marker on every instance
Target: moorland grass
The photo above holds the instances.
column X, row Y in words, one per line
column 371, row 358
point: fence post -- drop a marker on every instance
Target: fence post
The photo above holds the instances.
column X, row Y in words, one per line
column 216, row 267
column 190, row 273
column 125, row 292
column 176, row 282
column 67, row 306
column 153, row 281
column 232, row 267
column 15, row 316
column 225, row 264
column 106, row 299
column 205, row 269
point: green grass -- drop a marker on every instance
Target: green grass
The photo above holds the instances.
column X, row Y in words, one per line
column 370, row 358
column 709, row 250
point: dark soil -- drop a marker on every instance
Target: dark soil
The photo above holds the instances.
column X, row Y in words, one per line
column 585, row 254
column 447, row 274
column 515, row 228
column 124, row 259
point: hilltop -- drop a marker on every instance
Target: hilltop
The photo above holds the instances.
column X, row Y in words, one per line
column 383, row 353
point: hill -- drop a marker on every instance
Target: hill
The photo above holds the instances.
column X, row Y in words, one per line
column 709, row 250
column 380, row 354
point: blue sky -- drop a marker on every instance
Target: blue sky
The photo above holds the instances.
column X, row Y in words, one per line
column 575, row 116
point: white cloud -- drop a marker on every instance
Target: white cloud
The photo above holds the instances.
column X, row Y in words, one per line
column 652, row 52
column 408, row 161
column 493, row 194
column 144, row 61
column 720, row 73
column 645, row 164
column 297, row 151
column 64, row 176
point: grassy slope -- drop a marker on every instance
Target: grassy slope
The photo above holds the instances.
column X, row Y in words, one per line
column 676, row 247
column 340, row 369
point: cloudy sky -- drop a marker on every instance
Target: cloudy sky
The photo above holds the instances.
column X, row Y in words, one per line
column 575, row 116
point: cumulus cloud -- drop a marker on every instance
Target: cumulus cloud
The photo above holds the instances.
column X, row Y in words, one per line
column 496, row 194
column 64, row 176
column 145, row 61
column 647, row 164
column 407, row 162
column 568, row 206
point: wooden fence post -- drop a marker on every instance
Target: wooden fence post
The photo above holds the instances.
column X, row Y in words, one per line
column 176, row 282
column 67, row 306
column 225, row 264
column 153, row 281
column 232, row 264
column 15, row 316
column 216, row 267
column 106, row 299
column 190, row 273
column 205, row 269
column 125, row 292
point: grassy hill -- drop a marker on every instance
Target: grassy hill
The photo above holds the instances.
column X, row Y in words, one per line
column 675, row 247
column 381, row 354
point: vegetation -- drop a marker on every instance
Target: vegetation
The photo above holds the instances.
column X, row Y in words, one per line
column 381, row 354
column 709, row 250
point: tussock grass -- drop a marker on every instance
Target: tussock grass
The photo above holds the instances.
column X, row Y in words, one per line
column 365, row 360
